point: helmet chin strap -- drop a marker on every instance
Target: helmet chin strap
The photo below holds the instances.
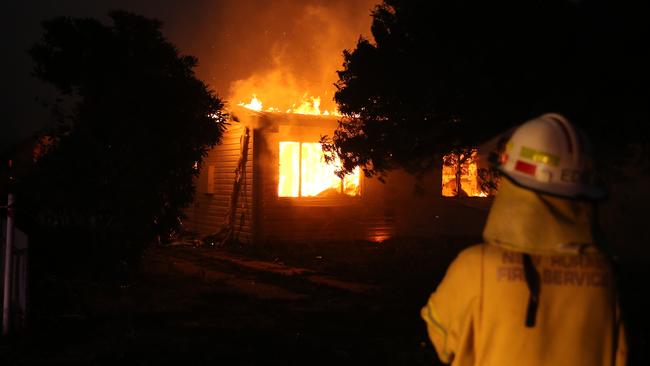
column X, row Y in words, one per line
column 533, row 282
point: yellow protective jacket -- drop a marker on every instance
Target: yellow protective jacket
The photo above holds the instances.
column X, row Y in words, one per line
column 477, row 314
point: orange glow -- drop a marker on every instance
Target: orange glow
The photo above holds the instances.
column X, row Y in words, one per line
column 303, row 172
column 380, row 238
column 468, row 178
column 307, row 105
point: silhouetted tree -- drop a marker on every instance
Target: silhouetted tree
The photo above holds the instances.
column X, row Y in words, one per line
column 444, row 75
column 456, row 159
column 134, row 124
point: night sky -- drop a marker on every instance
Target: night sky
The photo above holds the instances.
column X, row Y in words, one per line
column 234, row 40
column 279, row 49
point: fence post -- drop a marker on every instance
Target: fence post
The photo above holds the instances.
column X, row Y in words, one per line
column 9, row 243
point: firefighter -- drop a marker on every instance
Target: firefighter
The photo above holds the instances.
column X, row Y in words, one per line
column 539, row 291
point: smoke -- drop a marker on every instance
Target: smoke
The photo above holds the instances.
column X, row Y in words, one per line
column 284, row 51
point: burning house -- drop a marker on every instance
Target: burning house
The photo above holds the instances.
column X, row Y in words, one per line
column 268, row 182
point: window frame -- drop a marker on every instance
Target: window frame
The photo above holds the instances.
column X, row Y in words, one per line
column 474, row 159
column 341, row 197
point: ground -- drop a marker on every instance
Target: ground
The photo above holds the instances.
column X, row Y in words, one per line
column 311, row 304
column 327, row 303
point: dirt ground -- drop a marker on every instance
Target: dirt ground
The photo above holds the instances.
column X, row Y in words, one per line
column 312, row 304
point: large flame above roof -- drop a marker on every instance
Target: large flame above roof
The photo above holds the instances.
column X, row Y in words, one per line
column 307, row 105
column 291, row 61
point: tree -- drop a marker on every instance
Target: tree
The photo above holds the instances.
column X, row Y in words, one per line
column 441, row 76
column 457, row 159
column 134, row 124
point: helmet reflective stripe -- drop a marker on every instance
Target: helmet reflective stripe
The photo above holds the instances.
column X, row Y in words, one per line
column 550, row 155
column 542, row 157
column 525, row 168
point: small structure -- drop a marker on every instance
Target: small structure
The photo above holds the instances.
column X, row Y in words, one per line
column 267, row 182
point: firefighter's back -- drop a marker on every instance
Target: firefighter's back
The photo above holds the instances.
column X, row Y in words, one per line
column 575, row 320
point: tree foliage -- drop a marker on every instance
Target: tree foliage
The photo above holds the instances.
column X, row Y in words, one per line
column 134, row 120
column 444, row 75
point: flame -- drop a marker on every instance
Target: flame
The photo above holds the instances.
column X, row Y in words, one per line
column 351, row 185
column 307, row 105
column 468, row 178
column 303, row 172
column 289, row 179
column 255, row 104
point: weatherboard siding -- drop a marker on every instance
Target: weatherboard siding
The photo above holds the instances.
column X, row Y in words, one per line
column 208, row 213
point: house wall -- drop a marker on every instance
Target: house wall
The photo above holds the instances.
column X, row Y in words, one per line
column 209, row 211
column 308, row 219
column 420, row 210
column 402, row 206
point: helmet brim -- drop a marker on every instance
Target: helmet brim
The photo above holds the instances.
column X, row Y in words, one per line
column 573, row 191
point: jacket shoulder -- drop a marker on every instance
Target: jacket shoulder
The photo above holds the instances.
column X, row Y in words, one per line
column 467, row 263
column 472, row 253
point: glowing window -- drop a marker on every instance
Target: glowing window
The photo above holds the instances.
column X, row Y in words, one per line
column 460, row 176
column 304, row 173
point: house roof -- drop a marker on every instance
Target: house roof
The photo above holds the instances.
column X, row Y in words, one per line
column 258, row 119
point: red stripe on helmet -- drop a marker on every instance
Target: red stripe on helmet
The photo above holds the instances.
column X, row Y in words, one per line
column 525, row 168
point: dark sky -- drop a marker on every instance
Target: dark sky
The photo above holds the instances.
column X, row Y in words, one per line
column 254, row 41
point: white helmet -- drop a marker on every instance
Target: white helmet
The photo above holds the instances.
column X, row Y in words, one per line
column 550, row 155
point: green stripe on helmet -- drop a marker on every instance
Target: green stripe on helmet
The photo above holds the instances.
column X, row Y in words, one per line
column 539, row 156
